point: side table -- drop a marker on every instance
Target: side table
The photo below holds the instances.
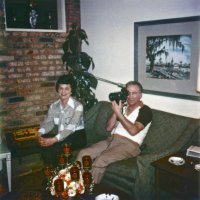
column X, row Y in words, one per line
column 180, row 180
column 23, row 144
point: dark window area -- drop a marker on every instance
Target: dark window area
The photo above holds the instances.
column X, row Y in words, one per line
column 31, row 14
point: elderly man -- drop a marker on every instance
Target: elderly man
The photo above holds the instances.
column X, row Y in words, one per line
column 129, row 125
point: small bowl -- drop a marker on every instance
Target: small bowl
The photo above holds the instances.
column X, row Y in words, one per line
column 176, row 161
column 107, row 197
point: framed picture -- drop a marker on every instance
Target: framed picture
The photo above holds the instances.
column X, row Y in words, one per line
column 35, row 15
column 166, row 56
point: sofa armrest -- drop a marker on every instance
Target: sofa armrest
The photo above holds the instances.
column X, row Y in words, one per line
column 145, row 175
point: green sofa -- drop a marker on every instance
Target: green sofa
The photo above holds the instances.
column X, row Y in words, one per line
column 168, row 133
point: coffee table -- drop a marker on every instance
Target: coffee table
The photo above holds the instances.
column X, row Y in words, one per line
column 98, row 189
column 180, row 180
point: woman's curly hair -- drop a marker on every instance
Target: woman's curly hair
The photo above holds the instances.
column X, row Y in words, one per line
column 67, row 79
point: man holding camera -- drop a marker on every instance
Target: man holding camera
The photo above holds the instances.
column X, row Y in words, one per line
column 128, row 124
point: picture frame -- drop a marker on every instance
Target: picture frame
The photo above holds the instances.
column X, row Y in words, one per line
column 164, row 63
column 35, row 16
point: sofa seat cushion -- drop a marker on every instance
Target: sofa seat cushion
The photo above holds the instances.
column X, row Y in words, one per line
column 122, row 174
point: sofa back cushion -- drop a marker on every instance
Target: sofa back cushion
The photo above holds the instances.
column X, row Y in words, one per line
column 166, row 128
column 95, row 122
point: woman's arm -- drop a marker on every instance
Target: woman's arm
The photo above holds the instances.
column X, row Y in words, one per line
column 48, row 123
column 71, row 125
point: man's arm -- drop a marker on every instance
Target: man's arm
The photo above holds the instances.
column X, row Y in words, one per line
column 144, row 117
column 111, row 123
column 132, row 127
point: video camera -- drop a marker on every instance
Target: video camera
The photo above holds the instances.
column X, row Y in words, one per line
column 117, row 96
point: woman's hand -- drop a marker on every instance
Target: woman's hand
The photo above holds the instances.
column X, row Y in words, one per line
column 46, row 142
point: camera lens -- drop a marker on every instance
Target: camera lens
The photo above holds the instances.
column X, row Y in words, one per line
column 114, row 96
column 117, row 96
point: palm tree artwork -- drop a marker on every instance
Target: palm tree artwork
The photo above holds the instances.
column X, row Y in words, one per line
column 161, row 62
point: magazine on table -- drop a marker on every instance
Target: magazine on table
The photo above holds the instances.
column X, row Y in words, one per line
column 193, row 151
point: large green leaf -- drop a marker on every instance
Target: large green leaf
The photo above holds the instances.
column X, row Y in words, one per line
column 79, row 63
column 91, row 78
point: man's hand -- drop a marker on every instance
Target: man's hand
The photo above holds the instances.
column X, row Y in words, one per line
column 117, row 109
column 46, row 142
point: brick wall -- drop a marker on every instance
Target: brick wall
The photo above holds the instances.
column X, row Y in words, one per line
column 30, row 62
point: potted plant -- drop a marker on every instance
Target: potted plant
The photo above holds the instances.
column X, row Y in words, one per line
column 78, row 63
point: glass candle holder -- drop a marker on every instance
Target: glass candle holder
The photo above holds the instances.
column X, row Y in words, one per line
column 67, row 149
column 61, row 160
column 74, row 173
column 47, row 171
column 87, row 162
column 87, row 178
column 59, row 186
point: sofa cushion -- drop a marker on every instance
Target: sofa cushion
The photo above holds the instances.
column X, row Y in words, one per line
column 100, row 125
column 121, row 174
column 95, row 122
column 122, row 168
column 166, row 128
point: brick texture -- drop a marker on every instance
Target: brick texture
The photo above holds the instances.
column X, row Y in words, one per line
column 30, row 63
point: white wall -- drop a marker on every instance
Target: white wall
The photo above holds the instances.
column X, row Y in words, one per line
column 109, row 25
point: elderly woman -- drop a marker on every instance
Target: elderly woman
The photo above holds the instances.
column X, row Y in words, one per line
column 63, row 124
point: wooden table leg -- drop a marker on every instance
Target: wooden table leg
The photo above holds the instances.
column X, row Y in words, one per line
column 157, row 184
